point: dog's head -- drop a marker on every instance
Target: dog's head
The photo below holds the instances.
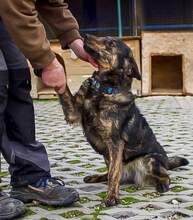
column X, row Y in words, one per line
column 112, row 55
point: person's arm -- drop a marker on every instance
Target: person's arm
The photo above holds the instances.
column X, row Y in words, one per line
column 65, row 26
column 21, row 20
column 60, row 19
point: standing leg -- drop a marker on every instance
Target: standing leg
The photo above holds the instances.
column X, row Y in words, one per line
column 115, row 170
column 3, row 93
column 27, row 158
column 9, row 208
column 29, row 165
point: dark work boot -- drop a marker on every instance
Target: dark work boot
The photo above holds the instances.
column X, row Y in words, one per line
column 48, row 191
column 10, row 208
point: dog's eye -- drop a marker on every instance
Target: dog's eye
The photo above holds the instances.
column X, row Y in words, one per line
column 111, row 43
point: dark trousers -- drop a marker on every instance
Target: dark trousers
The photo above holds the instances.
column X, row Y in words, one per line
column 27, row 158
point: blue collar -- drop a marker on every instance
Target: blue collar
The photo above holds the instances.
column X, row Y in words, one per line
column 98, row 87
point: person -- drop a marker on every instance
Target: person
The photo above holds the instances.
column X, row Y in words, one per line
column 27, row 158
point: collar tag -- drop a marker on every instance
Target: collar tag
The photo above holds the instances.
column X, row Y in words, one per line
column 97, row 86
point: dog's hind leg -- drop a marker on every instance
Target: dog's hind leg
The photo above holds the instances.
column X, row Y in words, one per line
column 162, row 180
column 158, row 174
column 96, row 178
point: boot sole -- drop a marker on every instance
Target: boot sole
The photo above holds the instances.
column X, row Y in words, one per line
column 29, row 197
column 19, row 212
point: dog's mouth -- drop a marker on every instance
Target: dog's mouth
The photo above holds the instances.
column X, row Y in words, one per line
column 92, row 51
column 91, row 48
column 95, row 47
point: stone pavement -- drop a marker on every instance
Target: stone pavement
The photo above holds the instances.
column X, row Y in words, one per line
column 72, row 158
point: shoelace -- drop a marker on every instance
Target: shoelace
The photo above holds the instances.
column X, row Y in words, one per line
column 45, row 181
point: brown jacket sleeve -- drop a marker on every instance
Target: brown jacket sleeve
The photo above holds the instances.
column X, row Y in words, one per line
column 21, row 20
column 57, row 15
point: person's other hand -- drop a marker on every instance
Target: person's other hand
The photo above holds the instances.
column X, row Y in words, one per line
column 78, row 49
column 53, row 76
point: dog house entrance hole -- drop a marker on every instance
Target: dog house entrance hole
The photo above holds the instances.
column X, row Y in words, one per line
column 167, row 74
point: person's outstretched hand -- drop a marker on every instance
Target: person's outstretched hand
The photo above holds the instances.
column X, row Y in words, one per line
column 78, row 49
column 53, row 76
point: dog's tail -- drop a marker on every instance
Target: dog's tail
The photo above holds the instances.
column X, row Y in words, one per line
column 174, row 162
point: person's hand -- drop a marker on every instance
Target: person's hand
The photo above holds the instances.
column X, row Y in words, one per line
column 53, row 76
column 78, row 49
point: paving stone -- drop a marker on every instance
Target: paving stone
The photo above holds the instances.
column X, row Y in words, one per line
column 123, row 215
column 72, row 158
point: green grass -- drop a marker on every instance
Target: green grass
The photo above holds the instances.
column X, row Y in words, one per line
column 84, row 200
column 73, row 182
column 4, row 186
column 77, row 155
column 124, row 201
column 79, row 174
column 102, row 195
column 85, row 218
column 131, row 189
column 178, row 189
column 90, row 218
column 74, row 161
column 72, row 214
column 4, row 174
column 102, row 169
column 129, row 200
column 50, row 141
column 190, row 208
column 177, row 179
column 87, row 165
column 98, row 209
column 74, row 146
column 151, row 195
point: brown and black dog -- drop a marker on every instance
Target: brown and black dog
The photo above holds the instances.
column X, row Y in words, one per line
column 113, row 125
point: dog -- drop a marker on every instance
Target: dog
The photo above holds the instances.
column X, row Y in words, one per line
column 113, row 125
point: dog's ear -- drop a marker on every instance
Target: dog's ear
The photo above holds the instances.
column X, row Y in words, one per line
column 131, row 68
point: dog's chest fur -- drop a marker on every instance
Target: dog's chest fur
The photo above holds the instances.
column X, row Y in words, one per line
column 99, row 118
column 117, row 117
column 103, row 117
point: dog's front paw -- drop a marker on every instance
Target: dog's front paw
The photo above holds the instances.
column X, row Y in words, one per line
column 111, row 201
column 161, row 188
column 95, row 178
column 91, row 179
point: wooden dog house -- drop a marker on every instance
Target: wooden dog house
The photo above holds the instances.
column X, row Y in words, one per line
column 166, row 73
column 167, row 63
